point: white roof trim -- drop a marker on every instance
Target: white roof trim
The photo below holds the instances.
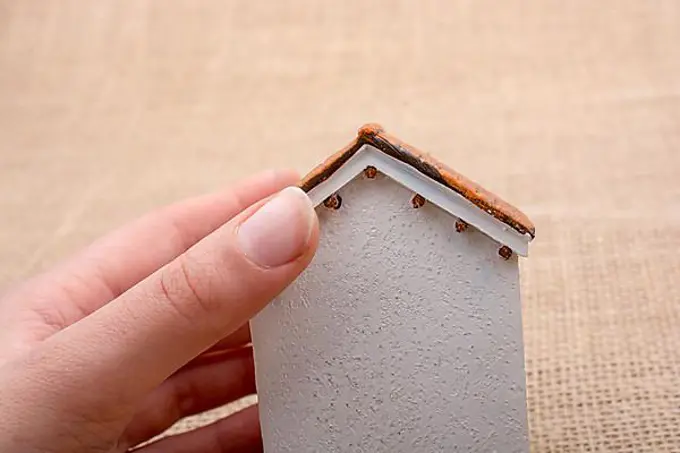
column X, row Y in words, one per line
column 433, row 191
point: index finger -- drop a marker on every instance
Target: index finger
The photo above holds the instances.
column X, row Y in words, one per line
column 118, row 261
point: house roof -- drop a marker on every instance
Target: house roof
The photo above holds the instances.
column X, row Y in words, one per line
column 374, row 135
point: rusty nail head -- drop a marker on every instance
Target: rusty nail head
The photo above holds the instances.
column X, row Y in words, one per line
column 505, row 252
column 370, row 172
column 333, row 202
column 461, row 225
column 417, row 201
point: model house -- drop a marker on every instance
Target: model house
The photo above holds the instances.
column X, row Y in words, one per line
column 405, row 332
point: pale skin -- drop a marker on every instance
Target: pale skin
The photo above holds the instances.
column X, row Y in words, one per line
column 150, row 324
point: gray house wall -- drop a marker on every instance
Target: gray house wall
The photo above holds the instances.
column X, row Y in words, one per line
column 402, row 336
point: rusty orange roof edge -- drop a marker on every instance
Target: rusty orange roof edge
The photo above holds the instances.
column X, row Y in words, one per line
column 375, row 135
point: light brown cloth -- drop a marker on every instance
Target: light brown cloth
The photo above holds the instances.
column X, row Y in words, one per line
column 568, row 109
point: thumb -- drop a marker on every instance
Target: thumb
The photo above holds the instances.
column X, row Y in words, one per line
column 135, row 342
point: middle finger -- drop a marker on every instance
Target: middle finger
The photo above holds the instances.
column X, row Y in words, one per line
column 196, row 388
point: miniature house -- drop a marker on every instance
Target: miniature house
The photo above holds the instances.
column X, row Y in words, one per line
column 405, row 332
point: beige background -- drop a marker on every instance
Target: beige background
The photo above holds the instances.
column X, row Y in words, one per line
column 570, row 110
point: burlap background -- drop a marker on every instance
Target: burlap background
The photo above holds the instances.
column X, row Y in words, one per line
column 569, row 109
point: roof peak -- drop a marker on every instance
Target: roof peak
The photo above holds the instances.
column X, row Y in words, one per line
column 370, row 129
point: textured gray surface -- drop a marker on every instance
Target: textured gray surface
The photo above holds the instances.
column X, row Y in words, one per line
column 402, row 336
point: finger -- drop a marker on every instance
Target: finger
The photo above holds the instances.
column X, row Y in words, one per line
column 211, row 356
column 238, row 433
column 237, row 339
column 120, row 260
column 191, row 303
column 228, row 377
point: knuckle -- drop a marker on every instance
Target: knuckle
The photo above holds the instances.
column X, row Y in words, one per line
column 184, row 292
column 184, row 400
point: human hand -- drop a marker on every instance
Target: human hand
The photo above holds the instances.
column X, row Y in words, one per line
column 150, row 324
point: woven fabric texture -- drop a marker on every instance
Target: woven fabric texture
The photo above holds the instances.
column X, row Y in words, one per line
column 569, row 110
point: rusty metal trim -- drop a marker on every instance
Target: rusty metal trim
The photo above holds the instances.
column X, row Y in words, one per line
column 461, row 225
column 418, row 201
column 371, row 172
column 505, row 252
column 333, row 202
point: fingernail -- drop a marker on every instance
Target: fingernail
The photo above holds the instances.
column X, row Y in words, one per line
column 279, row 231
